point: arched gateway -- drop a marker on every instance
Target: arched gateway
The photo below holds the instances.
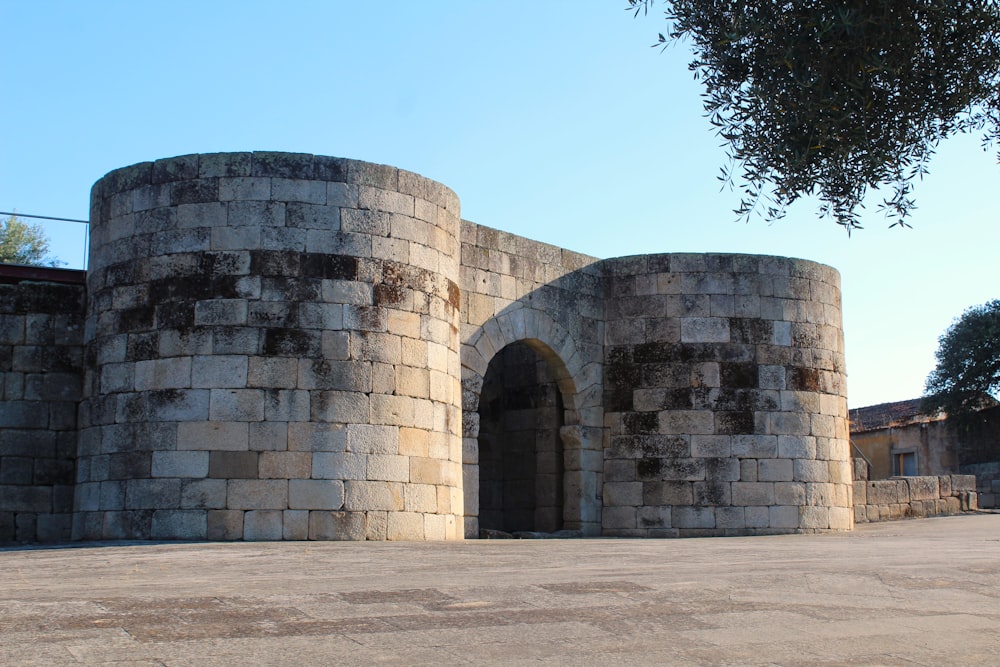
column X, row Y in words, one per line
column 288, row 346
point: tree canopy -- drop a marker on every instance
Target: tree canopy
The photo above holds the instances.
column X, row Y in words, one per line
column 21, row 243
column 968, row 363
column 833, row 99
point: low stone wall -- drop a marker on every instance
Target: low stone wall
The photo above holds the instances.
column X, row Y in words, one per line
column 913, row 497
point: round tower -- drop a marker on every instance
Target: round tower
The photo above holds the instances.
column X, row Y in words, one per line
column 272, row 352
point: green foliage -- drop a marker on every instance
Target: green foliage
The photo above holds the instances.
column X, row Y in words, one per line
column 21, row 243
column 834, row 98
column 968, row 363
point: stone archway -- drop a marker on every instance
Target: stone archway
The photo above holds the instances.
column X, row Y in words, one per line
column 574, row 429
column 521, row 463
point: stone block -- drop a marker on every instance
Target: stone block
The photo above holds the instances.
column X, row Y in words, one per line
column 923, row 488
column 820, row 494
column 774, row 470
column 618, row 518
column 203, row 494
column 261, row 525
column 653, row 517
column 944, row 486
column 210, row 372
column 388, row 467
column 285, row 465
column 796, row 447
column 623, row 493
column 325, row 525
column 310, row 437
column 788, row 423
column 372, row 438
column 432, row 471
column 757, row 517
column 790, row 493
column 860, row 492
column 963, row 483
column 423, row 498
column 342, row 407
column 180, row 464
column 339, row 465
column 254, row 494
column 272, row 372
column 704, row 330
column 718, row 446
column 687, row 422
column 712, row 493
column 751, row 493
column 295, row 525
column 755, row 446
column 783, row 516
column 219, row 436
column 285, row 405
column 364, row 495
column 816, row 518
column 179, row 525
column 880, row 492
column 315, row 494
column 693, row 517
column 435, row 527
column 748, row 470
column 268, row 436
column 153, row 494
column 730, row 517
column 237, row 405
column 233, row 465
column 804, row 470
column 405, row 526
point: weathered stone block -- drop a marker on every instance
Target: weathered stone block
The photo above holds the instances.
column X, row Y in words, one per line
column 233, row 465
column 263, row 525
column 405, row 526
column 783, row 516
column 203, row 494
column 285, row 465
column 923, row 488
column 774, row 470
column 362, row 495
column 623, row 493
column 180, row 464
column 254, row 494
column 693, row 517
column 325, row 525
column 179, row 525
column 202, row 435
column 751, row 493
column 315, row 494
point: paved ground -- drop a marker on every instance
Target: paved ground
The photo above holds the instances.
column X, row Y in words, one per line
column 923, row 592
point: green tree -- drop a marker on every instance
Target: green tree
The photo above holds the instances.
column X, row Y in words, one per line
column 21, row 243
column 968, row 363
column 834, row 98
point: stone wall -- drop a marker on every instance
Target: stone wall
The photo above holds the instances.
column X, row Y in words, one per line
column 41, row 370
column 516, row 290
column 273, row 345
column 286, row 346
column 911, row 497
column 725, row 397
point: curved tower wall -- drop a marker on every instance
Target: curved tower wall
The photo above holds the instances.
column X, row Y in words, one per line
column 725, row 397
column 272, row 350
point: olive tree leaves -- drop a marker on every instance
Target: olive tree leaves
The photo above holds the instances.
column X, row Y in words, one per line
column 835, row 99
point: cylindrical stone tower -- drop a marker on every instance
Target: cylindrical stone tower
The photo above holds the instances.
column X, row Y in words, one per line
column 272, row 352
column 725, row 397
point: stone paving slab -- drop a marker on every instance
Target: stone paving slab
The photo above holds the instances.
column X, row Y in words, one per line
column 923, row 592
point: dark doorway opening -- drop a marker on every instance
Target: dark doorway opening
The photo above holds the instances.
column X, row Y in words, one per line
column 520, row 450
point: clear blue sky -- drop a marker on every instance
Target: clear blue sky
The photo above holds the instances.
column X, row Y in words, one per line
column 553, row 120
